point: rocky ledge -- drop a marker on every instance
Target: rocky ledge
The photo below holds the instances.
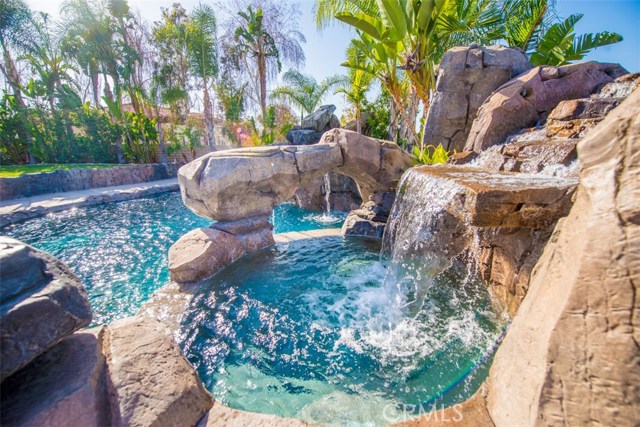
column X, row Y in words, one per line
column 129, row 373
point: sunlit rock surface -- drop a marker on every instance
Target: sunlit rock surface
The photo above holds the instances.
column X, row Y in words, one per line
column 246, row 182
column 571, row 356
column 42, row 301
column 466, row 78
column 205, row 251
column 525, row 100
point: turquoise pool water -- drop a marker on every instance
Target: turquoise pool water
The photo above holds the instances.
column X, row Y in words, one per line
column 325, row 331
column 119, row 250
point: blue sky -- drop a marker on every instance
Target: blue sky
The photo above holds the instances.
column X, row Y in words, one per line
column 325, row 49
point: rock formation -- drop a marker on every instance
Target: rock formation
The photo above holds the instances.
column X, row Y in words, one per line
column 247, row 182
column 129, row 373
column 466, row 78
column 205, row 251
column 313, row 126
column 42, row 302
column 571, row 355
column 240, row 188
column 527, row 99
column 344, row 195
column 497, row 222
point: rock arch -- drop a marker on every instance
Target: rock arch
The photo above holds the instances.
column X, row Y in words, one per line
column 248, row 182
column 240, row 188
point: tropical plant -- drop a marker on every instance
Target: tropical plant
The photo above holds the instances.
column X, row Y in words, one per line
column 402, row 33
column 203, row 54
column 357, row 84
column 172, row 68
column 16, row 31
column 559, row 45
column 303, row 91
column 254, row 41
column 265, row 37
column 430, row 155
column 378, row 116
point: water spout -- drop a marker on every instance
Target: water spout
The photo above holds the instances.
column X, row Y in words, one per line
column 327, row 193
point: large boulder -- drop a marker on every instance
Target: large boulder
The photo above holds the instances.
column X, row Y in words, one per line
column 65, row 386
column 466, row 78
column 320, row 119
column 201, row 253
column 527, row 99
column 298, row 135
column 150, row 383
column 204, row 251
column 42, row 302
column 571, row 355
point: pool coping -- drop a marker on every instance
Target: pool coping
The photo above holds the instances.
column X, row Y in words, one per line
column 17, row 210
column 292, row 236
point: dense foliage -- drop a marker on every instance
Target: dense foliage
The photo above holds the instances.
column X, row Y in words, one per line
column 100, row 84
column 412, row 36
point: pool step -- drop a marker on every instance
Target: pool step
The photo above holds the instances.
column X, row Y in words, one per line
column 310, row 234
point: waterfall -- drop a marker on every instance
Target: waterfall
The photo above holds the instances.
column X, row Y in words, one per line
column 327, row 193
column 420, row 222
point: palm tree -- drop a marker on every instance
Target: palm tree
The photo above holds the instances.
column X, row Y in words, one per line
column 559, row 45
column 203, row 53
column 254, row 41
column 16, row 31
column 170, row 36
column 303, row 91
column 358, row 83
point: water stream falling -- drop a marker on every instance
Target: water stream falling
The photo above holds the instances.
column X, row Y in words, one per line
column 327, row 217
column 327, row 193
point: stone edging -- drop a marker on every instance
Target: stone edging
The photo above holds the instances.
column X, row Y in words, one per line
column 34, row 184
column 18, row 210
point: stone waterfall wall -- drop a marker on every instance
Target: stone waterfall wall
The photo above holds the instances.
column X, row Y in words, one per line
column 528, row 99
column 571, row 356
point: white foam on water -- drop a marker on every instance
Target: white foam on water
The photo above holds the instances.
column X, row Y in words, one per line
column 324, row 218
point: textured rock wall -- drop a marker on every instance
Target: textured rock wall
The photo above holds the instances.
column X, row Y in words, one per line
column 466, row 78
column 344, row 195
column 82, row 179
column 42, row 301
column 571, row 356
column 527, row 99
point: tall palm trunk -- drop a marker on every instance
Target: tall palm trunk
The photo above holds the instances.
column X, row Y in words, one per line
column 393, row 122
column 358, row 124
column 13, row 79
column 262, row 79
column 95, row 87
column 163, row 149
column 208, row 116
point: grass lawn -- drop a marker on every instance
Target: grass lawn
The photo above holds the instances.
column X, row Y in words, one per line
column 18, row 170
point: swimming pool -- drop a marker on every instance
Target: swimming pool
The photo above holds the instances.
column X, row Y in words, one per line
column 326, row 331
column 119, row 250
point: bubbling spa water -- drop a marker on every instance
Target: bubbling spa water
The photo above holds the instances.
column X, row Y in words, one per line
column 326, row 331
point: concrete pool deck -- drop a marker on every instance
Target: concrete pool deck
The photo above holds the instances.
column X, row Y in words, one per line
column 16, row 210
